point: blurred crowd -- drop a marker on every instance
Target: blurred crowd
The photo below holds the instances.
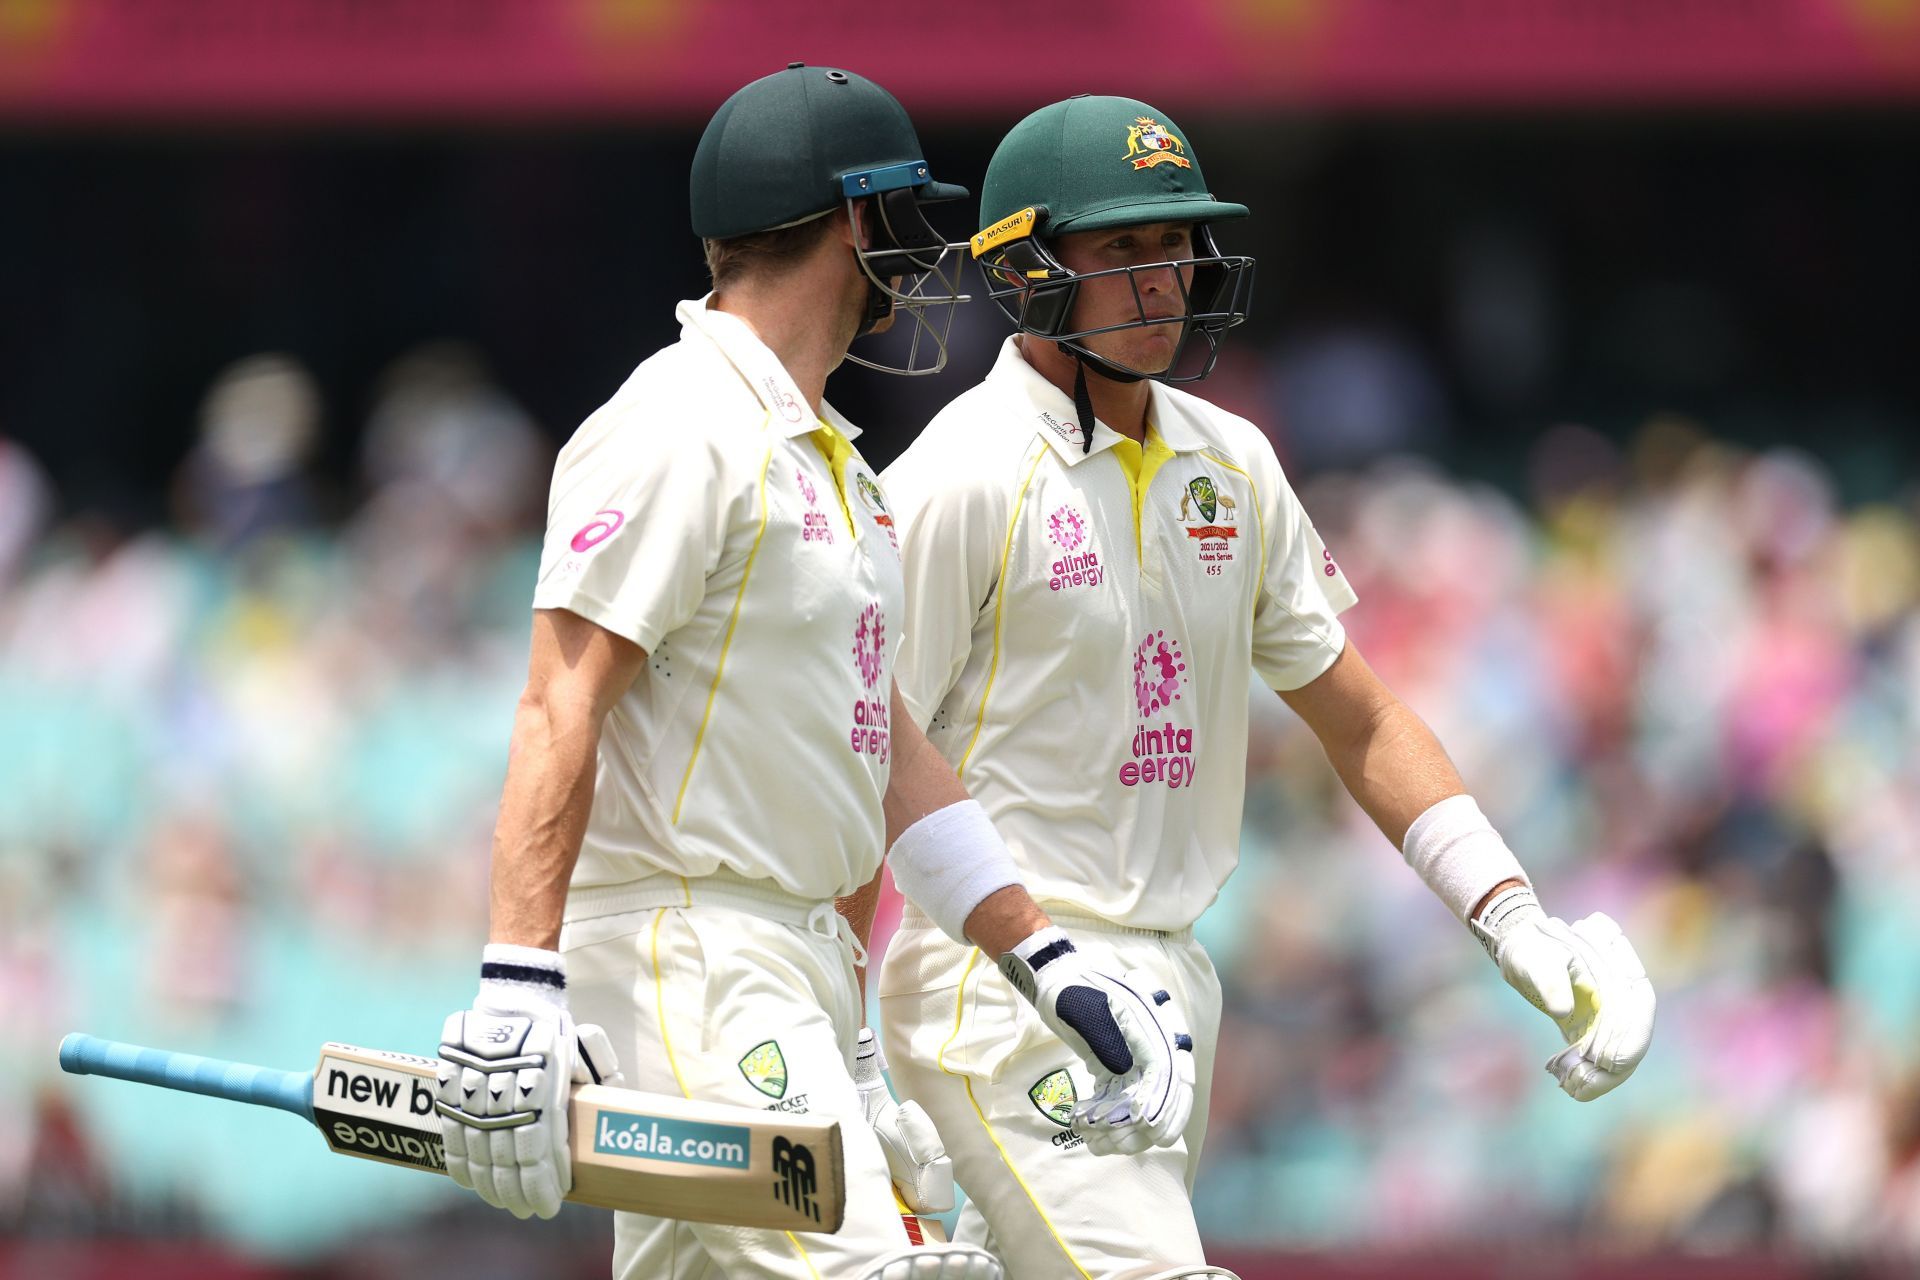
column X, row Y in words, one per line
column 251, row 760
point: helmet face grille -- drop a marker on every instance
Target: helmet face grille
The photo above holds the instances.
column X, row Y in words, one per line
column 1037, row 293
column 911, row 271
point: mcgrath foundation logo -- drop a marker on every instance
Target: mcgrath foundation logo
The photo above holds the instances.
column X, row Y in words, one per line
column 1157, row 667
column 1067, row 431
column 1150, row 143
column 869, row 644
column 1067, row 527
column 783, row 400
column 765, row 1068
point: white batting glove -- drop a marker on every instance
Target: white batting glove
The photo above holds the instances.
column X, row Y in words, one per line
column 1585, row 976
column 1127, row 1032
column 507, row 1071
column 916, row 1158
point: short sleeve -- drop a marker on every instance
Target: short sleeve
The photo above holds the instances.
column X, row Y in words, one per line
column 1296, row 623
column 633, row 534
column 951, row 537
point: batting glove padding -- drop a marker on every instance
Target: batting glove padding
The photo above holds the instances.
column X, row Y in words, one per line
column 936, row 1262
column 916, row 1158
column 1127, row 1031
column 1586, row 977
column 507, row 1071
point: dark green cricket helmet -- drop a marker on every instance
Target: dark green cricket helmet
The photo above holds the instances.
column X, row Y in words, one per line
column 802, row 142
column 1092, row 164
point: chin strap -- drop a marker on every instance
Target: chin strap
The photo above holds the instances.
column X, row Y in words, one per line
column 1083, row 406
column 1087, row 362
column 878, row 305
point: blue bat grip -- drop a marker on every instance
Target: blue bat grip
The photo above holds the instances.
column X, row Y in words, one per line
column 84, row 1055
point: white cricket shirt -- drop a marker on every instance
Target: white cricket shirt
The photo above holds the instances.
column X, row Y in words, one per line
column 1082, row 629
column 698, row 514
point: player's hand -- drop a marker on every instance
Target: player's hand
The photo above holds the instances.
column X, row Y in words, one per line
column 916, row 1158
column 1585, row 976
column 1127, row 1032
column 507, row 1070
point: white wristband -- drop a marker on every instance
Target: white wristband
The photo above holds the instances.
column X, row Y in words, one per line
column 949, row 861
column 514, row 975
column 1457, row 852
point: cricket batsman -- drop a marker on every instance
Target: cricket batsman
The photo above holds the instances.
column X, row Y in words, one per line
column 1097, row 564
column 702, row 757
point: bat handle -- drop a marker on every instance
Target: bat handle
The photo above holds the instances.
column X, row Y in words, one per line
column 84, row 1055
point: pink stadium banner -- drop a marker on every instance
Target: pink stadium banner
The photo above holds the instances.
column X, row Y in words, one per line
column 141, row 60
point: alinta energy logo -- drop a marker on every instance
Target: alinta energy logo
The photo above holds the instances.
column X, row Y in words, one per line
column 814, row 526
column 1077, row 568
column 870, row 729
column 1163, row 752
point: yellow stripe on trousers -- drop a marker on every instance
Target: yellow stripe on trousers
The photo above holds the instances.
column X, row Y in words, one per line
column 666, row 1042
column 959, row 1013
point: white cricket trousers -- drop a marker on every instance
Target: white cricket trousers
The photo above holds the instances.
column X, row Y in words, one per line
column 963, row 1044
column 730, row 990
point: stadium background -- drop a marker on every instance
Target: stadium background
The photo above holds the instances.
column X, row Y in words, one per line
column 1584, row 326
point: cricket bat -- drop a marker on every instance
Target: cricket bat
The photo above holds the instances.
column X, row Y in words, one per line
column 638, row 1152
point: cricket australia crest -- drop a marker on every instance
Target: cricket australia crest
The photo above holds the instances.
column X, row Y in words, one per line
column 1056, row 1097
column 1150, row 143
column 1216, row 512
column 765, row 1068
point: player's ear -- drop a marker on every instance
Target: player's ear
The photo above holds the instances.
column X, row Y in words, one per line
column 851, row 227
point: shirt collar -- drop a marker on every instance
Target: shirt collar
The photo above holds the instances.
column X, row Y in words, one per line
column 758, row 367
column 1052, row 413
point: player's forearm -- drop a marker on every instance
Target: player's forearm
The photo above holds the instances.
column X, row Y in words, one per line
column 921, row 781
column 1393, row 767
column 1004, row 919
column 543, row 818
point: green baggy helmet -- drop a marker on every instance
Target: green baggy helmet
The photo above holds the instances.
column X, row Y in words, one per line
column 802, row 142
column 1091, row 164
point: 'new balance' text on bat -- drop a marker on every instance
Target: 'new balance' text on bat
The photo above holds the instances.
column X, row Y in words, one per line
column 638, row 1152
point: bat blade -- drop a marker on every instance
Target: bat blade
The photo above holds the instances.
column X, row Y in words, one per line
column 632, row 1151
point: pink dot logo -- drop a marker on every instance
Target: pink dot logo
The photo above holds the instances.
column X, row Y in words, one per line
column 1157, row 667
column 1332, row 568
column 1067, row 528
column 602, row 528
column 806, row 489
column 869, row 643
